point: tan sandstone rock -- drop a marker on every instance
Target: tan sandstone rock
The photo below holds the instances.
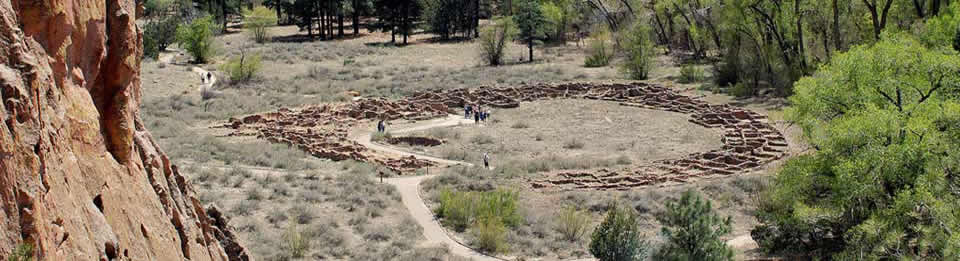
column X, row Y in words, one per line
column 80, row 177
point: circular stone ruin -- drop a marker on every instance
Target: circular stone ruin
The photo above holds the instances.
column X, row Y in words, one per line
column 748, row 140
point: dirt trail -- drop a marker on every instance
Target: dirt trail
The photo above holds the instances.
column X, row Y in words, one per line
column 167, row 58
column 409, row 188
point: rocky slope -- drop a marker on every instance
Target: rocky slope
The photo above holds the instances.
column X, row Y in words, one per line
column 80, row 177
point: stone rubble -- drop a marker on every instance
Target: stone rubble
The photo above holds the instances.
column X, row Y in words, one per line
column 749, row 140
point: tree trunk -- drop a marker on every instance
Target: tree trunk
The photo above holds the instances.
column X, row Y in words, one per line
column 918, row 6
column 476, row 19
column 356, row 17
column 223, row 14
column 530, row 48
column 340, row 23
column 837, row 41
column 800, row 44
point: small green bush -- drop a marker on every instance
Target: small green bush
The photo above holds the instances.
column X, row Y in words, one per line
column 257, row 20
column 197, row 38
column 380, row 136
column 572, row 223
column 600, row 53
column 23, row 252
column 617, row 238
column 640, row 52
column 242, row 68
column 691, row 74
column 490, row 235
column 459, row 209
column 623, row 160
column 693, row 231
column 741, row 90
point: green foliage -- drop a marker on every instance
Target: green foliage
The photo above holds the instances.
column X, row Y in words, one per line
column 530, row 22
column 559, row 15
column 941, row 31
column 460, row 209
column 23, row 252
column 640, row 52
column 242, row 68
column 572, row 223
column 197, row 38
column 450, row 17
column 617, row 238
column 153, row 8
column 257, row 20
column 600, row 53
column 494, row 40
column 882, row 183
column 691, row 74
column 741, row 90
column 158, row 35
column 693, row 230
column 490, row 235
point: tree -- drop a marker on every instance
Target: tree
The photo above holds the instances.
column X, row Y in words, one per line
column 197, row 38
column 639, row 52
column 559, row 14
column 494, row 39
column 617, row 238
column 450, row 17
column 158, row 34
column 693, row 230
column 242, row 68
column 257, row 20
column 530, row 21
column 396, row 16
column 883, row 183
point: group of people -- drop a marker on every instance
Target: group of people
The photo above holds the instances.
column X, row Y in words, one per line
column 478, row 113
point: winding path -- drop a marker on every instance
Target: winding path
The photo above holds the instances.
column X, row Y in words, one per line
column 409, row 189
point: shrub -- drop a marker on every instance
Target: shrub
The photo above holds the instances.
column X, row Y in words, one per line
column 481, row 139
column 617, row 238
column 573, row 144
column 600, row 53
column 158, row 35
column 257, row 20
column 520, row 125
column 489, row 235
column 691, row 74
column 494, row 40
column 380, row 136
column 623, row 160
column 693, row 230
column 572, row 223
column 242, row 68
column 639, row 50
column 197, row 38
column 459, row 209
column 23, row 252
column 741, row 90
column 295, row 243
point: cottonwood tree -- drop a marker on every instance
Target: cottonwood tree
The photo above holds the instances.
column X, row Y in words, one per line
column 883, row 181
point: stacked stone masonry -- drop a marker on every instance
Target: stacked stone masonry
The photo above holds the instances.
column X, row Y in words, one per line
column 749, row 141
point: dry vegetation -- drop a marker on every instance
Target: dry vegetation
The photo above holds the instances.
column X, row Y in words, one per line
column 286, row 204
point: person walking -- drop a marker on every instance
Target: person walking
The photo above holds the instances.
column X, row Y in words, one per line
column 466, row 111
column 381, row 126
column 476, row 117
column 486, row 160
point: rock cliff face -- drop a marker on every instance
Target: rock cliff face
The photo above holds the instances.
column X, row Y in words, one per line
column 80, row 177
